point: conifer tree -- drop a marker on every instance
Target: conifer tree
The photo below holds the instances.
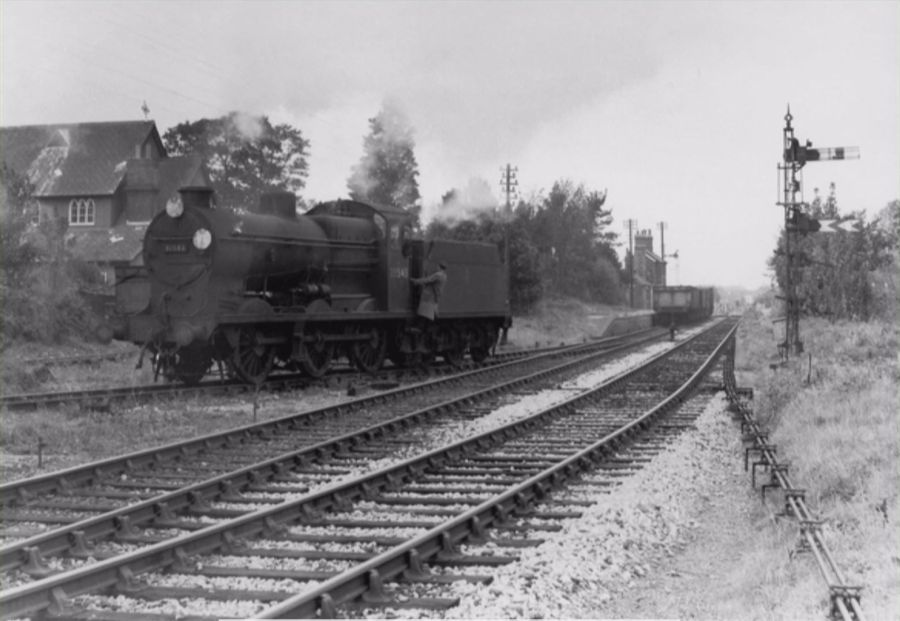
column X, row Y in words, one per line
column 386, row 172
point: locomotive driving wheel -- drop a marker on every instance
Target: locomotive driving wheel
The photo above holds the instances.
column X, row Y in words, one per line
column 368, row 355
column 315, row 353
column 251, row 359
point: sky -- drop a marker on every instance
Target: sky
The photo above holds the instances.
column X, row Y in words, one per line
column 675, row 108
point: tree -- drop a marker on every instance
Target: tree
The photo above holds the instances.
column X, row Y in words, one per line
column 833, row 273
column 571, row 231
column 40, row 280
column 245, row 155
column 558, row 244
column 386, row 172
column 885, row 278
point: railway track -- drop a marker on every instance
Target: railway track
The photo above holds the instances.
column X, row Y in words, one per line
column 49, row 514
column 441, row 498
column 104, row 397
column 78, row 359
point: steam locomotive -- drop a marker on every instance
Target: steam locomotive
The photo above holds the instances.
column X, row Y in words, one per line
column 269, row 288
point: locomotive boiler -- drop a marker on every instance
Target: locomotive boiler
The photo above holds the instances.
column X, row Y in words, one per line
column 255, row 290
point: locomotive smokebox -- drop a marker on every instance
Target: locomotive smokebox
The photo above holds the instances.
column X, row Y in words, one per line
column 278, row 203
column 196, row 196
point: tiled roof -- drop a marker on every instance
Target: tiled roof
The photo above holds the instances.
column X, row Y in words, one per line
column 76, row 158
column 121, row 243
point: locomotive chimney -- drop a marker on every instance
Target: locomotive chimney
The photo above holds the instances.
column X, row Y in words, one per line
column 279, row 203
column 196, row 196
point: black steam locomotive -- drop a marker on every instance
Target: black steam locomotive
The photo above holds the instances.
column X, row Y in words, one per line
column 269, row 288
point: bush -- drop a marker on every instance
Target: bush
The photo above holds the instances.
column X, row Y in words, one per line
column 40, row 281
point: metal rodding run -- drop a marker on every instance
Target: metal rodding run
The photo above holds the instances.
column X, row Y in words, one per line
column 596, row 423
column 845, row 598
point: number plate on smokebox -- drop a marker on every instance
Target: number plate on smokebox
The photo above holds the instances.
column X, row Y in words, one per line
column 175, row 248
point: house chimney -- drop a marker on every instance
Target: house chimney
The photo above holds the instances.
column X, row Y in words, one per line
column 643, row 240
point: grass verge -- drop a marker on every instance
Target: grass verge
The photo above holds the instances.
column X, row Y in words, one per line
column 833, row 414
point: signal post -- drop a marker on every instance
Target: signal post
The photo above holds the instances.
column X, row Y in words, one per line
column 798, row 222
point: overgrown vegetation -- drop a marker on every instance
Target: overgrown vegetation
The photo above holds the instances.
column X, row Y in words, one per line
column 39, row 288
column 559, row 244
column 833, row 415
column 844, row 275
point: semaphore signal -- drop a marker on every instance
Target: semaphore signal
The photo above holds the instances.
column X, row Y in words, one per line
column 798, row 221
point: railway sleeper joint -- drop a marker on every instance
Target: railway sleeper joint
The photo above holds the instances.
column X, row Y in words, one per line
column 181, row 562
column 80, row 547
column 59, row 603
column 35, row 565
column 375, row 593
column 126, row 582
column 477, row 533
column 273, row 527
column 415, row 569
column 197, row 502
column 327, row 607
column 448, row 549
column 125, row 529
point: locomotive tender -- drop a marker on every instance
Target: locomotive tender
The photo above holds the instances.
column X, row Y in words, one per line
column 254, row 290
column 680, row 305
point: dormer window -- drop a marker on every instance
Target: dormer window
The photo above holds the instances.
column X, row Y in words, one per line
column 81, row 211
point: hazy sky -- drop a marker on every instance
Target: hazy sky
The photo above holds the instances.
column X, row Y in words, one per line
column 675, row 107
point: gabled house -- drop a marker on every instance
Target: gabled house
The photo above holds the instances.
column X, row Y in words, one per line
column 106, row 181
column 649, row 270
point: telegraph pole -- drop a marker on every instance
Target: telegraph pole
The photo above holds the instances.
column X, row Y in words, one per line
column 632, row 224
column 508, row 183
column 662, row 248
column 798, row 222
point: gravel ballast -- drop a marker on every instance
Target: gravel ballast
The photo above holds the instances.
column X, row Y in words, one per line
column 630, row 533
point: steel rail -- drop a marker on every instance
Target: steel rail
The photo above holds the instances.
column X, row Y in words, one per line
column 18, row 401
column 845, row 598
column 52, row 593
column 353, row 583
column 112, row 466
column 29, row 552
column 75, row 359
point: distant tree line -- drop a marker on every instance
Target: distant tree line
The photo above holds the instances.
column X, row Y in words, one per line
column 844, row 275
column 559, row 244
